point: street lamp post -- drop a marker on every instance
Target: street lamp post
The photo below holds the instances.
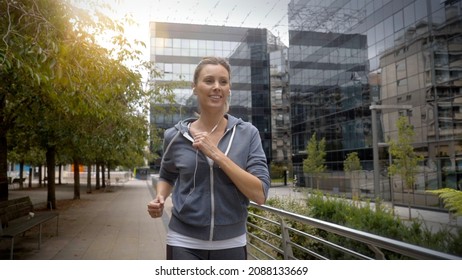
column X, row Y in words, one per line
column 375, row 151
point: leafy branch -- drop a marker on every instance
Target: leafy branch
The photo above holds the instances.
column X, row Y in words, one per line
column 452, row 199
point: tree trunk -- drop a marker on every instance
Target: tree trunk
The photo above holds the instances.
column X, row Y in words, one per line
column 89, row 178
column 76, row 179
column 60, row 168
column 30, row 176
column 21, row 174
column 40, row 175
column 103, row 175
column 3, row 166
column 3, row 149
column 97, row 177
column 109, row 173
column 51, row 162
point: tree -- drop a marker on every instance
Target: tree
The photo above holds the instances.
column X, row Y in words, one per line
column 27, row 51
column 314, row 163
column 65, row 90
column 352, row 162
column 350, row 165
column 405, row 159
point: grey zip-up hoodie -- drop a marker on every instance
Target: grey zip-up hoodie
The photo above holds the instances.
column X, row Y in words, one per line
column 206, row 203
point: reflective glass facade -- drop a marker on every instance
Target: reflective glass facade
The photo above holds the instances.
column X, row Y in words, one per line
column 345, row 55
column 256, row 58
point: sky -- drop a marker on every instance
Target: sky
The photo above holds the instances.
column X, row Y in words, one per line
column 270, row 14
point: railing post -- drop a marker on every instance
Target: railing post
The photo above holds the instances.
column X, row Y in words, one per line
column 286, row 247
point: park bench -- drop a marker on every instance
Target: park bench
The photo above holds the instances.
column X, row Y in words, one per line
column 18, row 180
column 15, row 181
column 17, row 216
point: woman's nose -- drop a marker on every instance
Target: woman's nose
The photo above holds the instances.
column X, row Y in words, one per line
column 216, row 86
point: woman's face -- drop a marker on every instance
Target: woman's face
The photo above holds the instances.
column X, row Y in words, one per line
column 212, row 88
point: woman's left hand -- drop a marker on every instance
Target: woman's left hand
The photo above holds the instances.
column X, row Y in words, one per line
column 247, row 183
column 203, row 143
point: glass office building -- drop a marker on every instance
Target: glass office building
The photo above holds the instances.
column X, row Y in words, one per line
column 346, row 55
column 259, row 73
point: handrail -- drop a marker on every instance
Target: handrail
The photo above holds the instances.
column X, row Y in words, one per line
column 374, row 242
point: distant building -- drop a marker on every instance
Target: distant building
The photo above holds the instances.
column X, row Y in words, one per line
column 345, row 55
column 424, row 69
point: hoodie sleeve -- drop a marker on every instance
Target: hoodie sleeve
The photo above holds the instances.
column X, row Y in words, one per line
column 168, row 170
column 256, row 162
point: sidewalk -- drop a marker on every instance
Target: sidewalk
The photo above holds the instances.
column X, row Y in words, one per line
column 100, row 226
column 116, row 226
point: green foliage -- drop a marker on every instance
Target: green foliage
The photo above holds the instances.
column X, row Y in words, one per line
column 452, row 199
column 314, row 164
column 352, row 162
column 359, row 215
column 316, row 156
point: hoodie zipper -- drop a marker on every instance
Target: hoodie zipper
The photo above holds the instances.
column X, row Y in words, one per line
column 212, row 203
column 212, row 184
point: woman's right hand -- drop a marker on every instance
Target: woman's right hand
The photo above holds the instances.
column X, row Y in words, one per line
column 156, row 207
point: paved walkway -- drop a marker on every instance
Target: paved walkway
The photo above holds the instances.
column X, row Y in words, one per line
column 100, row 226
column 115, row 225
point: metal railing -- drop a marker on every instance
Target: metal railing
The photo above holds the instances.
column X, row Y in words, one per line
column 260, row 247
